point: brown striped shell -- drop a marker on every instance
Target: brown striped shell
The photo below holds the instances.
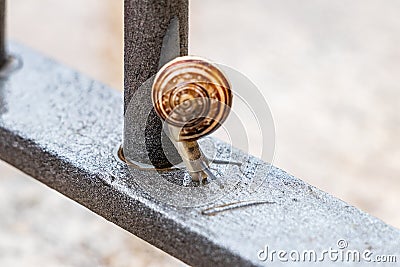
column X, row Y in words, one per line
column 192, row 94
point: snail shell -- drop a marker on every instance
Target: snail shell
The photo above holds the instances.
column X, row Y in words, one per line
column 192, row 94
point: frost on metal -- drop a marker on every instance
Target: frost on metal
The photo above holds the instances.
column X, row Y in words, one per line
column 63, row 129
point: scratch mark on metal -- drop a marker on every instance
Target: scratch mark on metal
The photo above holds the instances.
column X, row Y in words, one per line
column 234, row 205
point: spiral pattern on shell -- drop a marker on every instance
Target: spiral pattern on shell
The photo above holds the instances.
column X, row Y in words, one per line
column 192, row 94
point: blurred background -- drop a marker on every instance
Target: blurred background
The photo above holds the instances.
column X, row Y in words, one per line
column 330, row 71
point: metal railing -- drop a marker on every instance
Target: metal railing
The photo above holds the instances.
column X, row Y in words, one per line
column 63, row 129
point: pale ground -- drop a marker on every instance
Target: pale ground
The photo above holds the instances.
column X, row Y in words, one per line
column 330, row 71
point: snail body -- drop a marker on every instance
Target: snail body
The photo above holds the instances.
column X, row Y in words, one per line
column 194, row 98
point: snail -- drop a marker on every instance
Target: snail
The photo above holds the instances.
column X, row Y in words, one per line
column 194, row 98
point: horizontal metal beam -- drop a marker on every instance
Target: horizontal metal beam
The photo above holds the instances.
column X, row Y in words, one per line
column 63, row 129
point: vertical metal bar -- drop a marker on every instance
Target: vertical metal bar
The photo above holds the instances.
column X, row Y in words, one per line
column 3, row 56
column 146, row 24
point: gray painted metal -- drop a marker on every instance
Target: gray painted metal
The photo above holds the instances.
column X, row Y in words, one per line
column 2, row 32
column 154, row 32
column 63, row 129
